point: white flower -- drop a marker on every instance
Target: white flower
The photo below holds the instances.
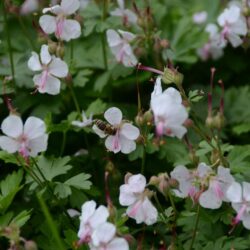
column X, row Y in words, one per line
column 29, row 6
column 127, row 15
column 200, row 17
column 240, row 198
column 85, row 121
column 214, row 47
column 125, row 133
column 103, row 238
column 216, row 192
column 234, row 25
column 90, row 219
column 28, row 139
column 133, row 194
column 190, row 181
column 169, row 113
column 120, row 47
column 64, row 29
column 51, row 67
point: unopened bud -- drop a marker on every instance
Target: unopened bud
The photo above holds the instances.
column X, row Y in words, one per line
column 219, row 121
column 164, row 43
column 126, row 177
column 210, row 121
column 172, row 76
column 139, row 120
column 41, row 39
column 173, row 183
column 60, row 51
column 154, row 181
column 52, row 47
column 30, row 245
column 110, row 167
column 148, row 117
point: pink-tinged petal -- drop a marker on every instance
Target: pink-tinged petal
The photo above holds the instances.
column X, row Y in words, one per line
column 113, row 38
column 38, row 145
column 113, row 116
column 150, row 212
column 8, row 144
column 98, row 131
column 129, row 131
column 127, row 146
column 88, row 209
column 29, row 6
column 113, row 144
column 137, row 183
column 58, row 68
column 45, row 55
column 129, row 60
column 128, row 36
column 48, row 24
column 70, row 6
column 127, row 196
column 246, row 191
column 103, row 234
column 56, row 9
column 234, row 193
column 209, row 199
column 59, row 27
column 71, row 30
column 52, row 86
column 240, row 214
column 99, row 217
column 34, row 62
column 134, row 211
column 118, row 243
column 34, row 127
column 12, row 126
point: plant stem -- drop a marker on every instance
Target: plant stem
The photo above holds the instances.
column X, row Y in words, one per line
column 104, row 15
column 8, row 42
column 195, row 227
column 75, row 100
column 63, row 142
column 51, row 223
column 143, row 161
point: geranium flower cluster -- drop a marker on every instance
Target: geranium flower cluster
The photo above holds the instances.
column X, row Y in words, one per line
column 51, row 66
column 96, row 231
column 135, row 195
column 232, row 26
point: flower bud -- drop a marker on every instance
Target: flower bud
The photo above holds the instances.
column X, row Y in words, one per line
column 172, row 76
column 41, row 39
column 219, row 121
column 164, row 43
column 210, row 121
column 148, row 117
column 139, row 119
column 60, row 51
column 30, row 245
column 52, row 47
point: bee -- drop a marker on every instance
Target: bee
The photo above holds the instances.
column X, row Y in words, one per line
column 105, row 127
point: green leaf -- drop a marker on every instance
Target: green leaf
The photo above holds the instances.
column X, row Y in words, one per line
column 96, row 107
column 9, row 187
column 241, row 128
column 79, row 181
column 21, row 218
column 62, row 190
column 82, row 78
column 10, row 158
column 102, row 81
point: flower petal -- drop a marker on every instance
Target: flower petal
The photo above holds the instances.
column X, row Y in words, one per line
column 113, row 38
column 127, row 197
column 8, row 144
column 208, row 199
column 45, row 55
column 71, row 30
column 113, row 116
column 58, row 68
column 88, row 209
column 38, row 145
column 51, row 86
column 246, row 191
column 12, row 126
column 118, row 243
column 137, row 183
column 100, row 216
column 34, row 127
column 128, row 36
column 127, row 146
column 48, row 24
column 56, row 9
column 129, row 131
column 234, row 193
column 98, row 131
column 70, row 6
column 34, row 62
column 103, row 234
column 113, row 143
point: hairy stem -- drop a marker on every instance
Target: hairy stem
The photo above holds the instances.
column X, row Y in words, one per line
column 195, row 227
